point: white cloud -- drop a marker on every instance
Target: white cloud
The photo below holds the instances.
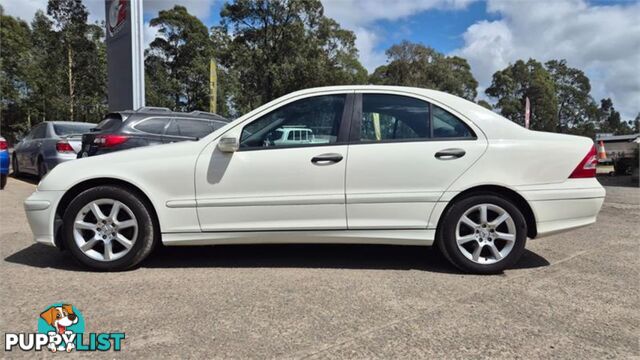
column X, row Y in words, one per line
column 360, row 16
column 604, row 41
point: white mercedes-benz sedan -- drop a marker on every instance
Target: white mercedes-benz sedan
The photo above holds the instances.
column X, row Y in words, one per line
column 346, row 164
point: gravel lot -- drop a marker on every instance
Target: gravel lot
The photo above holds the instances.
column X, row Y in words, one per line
column 573, row 295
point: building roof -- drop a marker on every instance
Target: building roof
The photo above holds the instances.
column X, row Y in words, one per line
column 609, row 138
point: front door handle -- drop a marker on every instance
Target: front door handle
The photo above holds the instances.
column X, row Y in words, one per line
column 326, row 159
column 450, row 154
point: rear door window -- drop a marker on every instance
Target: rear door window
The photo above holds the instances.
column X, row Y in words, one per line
column 153, row 126
column 394, row 117
column 40, row 132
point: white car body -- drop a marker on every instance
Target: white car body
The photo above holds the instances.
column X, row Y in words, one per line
column 383, row 193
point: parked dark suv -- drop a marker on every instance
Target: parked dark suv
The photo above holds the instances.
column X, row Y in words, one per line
column 147, row 126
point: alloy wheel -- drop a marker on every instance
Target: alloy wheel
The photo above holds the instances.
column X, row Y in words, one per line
column 485, row 234
column 105, row 229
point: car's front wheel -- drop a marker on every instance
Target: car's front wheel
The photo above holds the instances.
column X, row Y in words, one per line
column 108, row 228
column 483, row 234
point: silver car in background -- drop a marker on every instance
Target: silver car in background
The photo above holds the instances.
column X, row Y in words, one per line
column 47, row 145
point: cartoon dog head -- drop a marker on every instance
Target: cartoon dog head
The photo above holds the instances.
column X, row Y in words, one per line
column 60, row 317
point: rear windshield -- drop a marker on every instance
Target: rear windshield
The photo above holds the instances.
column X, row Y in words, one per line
column 70, row 129
column 110, row 122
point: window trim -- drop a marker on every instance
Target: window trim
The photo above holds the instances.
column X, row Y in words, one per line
column 356, row 123
column 343, row 130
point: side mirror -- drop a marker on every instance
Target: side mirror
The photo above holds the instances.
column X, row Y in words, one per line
column 228, row 144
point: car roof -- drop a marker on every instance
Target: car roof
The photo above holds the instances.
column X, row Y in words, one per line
column 165, row 112
column 68, row 122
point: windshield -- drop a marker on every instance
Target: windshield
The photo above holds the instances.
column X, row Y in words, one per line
column 68, row 129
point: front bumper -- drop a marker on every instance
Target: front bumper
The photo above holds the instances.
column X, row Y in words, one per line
column 40, row 208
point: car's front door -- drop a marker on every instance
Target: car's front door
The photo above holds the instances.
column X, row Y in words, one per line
column 268, row 184
column 30, row 148
column 404, row 153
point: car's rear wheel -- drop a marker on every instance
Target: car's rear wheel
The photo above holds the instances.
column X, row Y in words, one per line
column 42, row 169
column 108, row 228
column 483, row 234
column 14, row 165
column 3, row 181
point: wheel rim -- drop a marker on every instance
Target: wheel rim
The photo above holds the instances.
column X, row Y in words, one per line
column 105, row 229
column 486, row 234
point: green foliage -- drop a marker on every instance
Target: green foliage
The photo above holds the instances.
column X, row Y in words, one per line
column 609, row 121
column 268, row 48
column 54, row 69
column 177, row 62
column 485, row 104
column 514, row 84
column 416, row 65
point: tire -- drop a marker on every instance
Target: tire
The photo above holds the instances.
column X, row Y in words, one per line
column 142, row 237
column 3, row 181
column 42, row 169
column 487, row 249
column 14, row 165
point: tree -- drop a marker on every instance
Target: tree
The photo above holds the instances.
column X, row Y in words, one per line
column 609, row 120
column 520, row 80
column 485, row 104
column 177, row 62
column 15, row 63
column 70, row 16
column 269, row 48
column 572, row 89
column 411, row 64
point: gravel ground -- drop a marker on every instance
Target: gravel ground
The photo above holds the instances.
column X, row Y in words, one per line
column 573, row 295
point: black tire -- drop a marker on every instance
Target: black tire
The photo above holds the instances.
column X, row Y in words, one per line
column 143, row 244
column 3, row 181
column 14, row 165
column 447, row 243
column 42, row 169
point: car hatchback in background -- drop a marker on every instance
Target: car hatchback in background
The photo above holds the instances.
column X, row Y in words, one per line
column 4, row 162
column 47, row 145
column 148, row 126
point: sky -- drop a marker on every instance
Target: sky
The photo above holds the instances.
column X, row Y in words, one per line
column 600, row 37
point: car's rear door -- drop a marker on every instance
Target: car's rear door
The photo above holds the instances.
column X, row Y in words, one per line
column 267, row 185
column 404, row 152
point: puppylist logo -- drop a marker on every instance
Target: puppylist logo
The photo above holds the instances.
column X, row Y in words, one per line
column 61, row 329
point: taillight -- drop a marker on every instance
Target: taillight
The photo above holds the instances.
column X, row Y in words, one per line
column 64, row 147
column 110, row 140
column 3, row 145
column 587, row 167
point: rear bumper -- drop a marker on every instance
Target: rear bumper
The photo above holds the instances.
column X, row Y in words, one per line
column 52, row 162
column 40, row 208
column 562, row 207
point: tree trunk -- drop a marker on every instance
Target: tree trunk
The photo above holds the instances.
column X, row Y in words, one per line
column 71, row 82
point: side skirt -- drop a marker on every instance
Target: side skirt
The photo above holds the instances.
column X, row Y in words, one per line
column 389, row 237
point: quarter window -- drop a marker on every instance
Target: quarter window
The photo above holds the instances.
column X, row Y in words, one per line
column 307, row 122
column 152, row 126
column 393, row 117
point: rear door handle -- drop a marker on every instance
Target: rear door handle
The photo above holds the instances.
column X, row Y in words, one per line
column 450, row 154
column 326, row 159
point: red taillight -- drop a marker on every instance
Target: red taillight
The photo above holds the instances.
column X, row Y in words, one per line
column 64, row 147
column 3, row 145
column 587, row 167
column 110, row 140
